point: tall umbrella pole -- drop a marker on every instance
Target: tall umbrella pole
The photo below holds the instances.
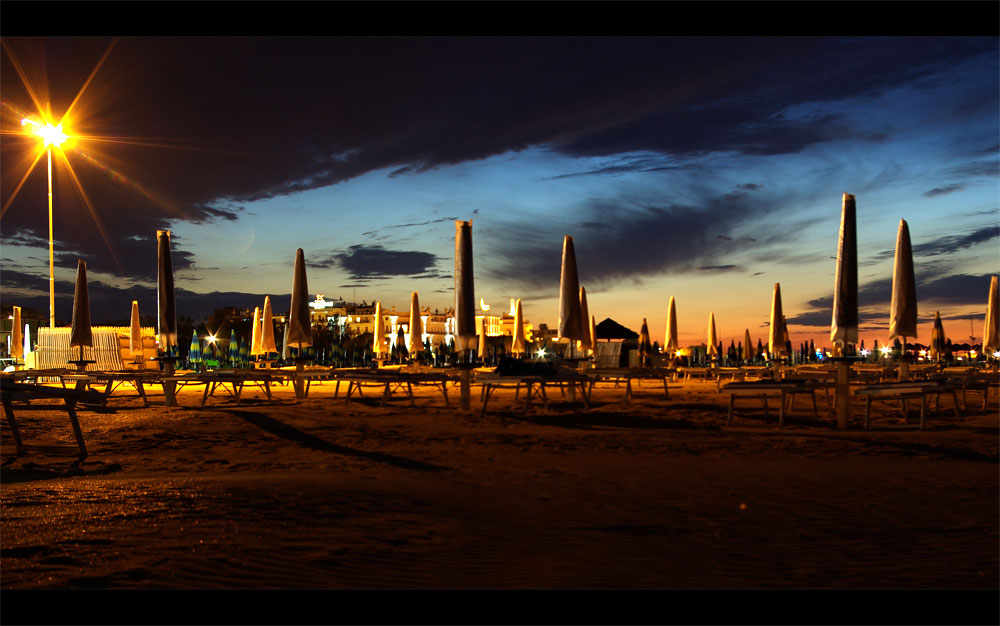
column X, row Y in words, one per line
column 844, row 325
column 465, row 308
column 299, row 328
column 903, row 308
column 570, row 316
column 16, row 340
column 166, row 319
column 81, row 333
column 991, row 327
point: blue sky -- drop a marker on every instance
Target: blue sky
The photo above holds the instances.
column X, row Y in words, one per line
column 700, row 168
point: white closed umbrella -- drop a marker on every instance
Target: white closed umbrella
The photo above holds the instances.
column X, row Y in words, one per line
column 713, row 341
column 255, row 334
column 587, row 343
column 416, row 343
column 844, row 325
column 135, row 332
column 268, row 344
column 570, row 318
column 776, row 332
column 671, row 344
column 903, row 307
column 518, row 346
column 378, row 344
column 991, row 329
column 16, row 339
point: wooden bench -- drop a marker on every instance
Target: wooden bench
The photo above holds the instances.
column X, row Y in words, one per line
column 764, row 390
column 26, row 394
column 627, row 375
column 904, row 391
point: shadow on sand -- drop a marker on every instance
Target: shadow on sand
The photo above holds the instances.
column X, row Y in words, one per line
column 280, row 429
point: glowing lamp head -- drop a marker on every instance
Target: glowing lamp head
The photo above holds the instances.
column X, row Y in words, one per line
column 51, row 135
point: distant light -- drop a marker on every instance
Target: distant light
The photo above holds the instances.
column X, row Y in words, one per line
column 541, row 353
column 886, row 350
column 51, row 135
column 996, row 355
column 865, row 352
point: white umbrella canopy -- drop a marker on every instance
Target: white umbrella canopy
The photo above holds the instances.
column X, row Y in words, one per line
column 465, row 299
column 844, row 325
column 268, row 345
column 776, row 331
column 378, row 344
column 587, row 343
column 135, row 331
column 713, row 341
column 165, row 302
column 570, row 320
column 416, row 344
column 903, row 308
column 81, row 333
column 26, row 349
column 671, row 343
column 299, row 328
column 255, row 334
column 991, row 329
column 517, row 346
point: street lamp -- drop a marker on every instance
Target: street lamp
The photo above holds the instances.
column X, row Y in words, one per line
column 51, row 136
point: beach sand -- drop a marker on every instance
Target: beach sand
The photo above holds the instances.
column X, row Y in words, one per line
column 654, row 493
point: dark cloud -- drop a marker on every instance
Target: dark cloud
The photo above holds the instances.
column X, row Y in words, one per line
column 719, row 268
column 942, row 191
column 245, row 118
column 874, row 298
column 638, row 241
column 374, row 262
column 110, row 303
column 947, row 244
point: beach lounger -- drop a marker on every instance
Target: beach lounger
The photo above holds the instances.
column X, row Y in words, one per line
column 27, row 397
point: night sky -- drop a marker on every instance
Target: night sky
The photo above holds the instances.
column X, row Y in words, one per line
column 704, row 168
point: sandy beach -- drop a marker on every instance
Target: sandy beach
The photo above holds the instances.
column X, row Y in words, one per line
column 654, row 493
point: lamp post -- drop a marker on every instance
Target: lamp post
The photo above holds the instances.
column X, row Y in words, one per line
column 51, row 136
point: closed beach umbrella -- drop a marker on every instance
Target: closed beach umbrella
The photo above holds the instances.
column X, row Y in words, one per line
column 16, row 339
column 645, row 347
column 570, row 320
column 465, row 299
column 378, row 347
column 748, row 354
column 135, row 331
column 27, row 341
column 255, row 334
column 517, row 346
column 713, row 342
column 587, row 343
column 244, row 352
column 165, row 303
column 671, row 343
column 401, row 344
column 937, row 337
column 416, row 344
column 194, row 353
column 903, row 308
column 776, row 330
column 991, row 330
column 267, row 342
column 481, row 333
column 299, row 329
column 81, row 333
column 593, row 331
column 234, row 348
column 844, row 325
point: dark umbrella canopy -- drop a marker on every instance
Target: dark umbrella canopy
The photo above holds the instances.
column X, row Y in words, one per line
column 903, row 308
column 299, row 328
column 844, row 326
column 465, row 299
column 165, row 302
column 645, row 346
column 570, row 316
column 938, row 343
column 81, row 333
column 991, row 332
column 234, row 348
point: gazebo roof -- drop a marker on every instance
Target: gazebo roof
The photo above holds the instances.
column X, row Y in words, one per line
column 610, row 329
